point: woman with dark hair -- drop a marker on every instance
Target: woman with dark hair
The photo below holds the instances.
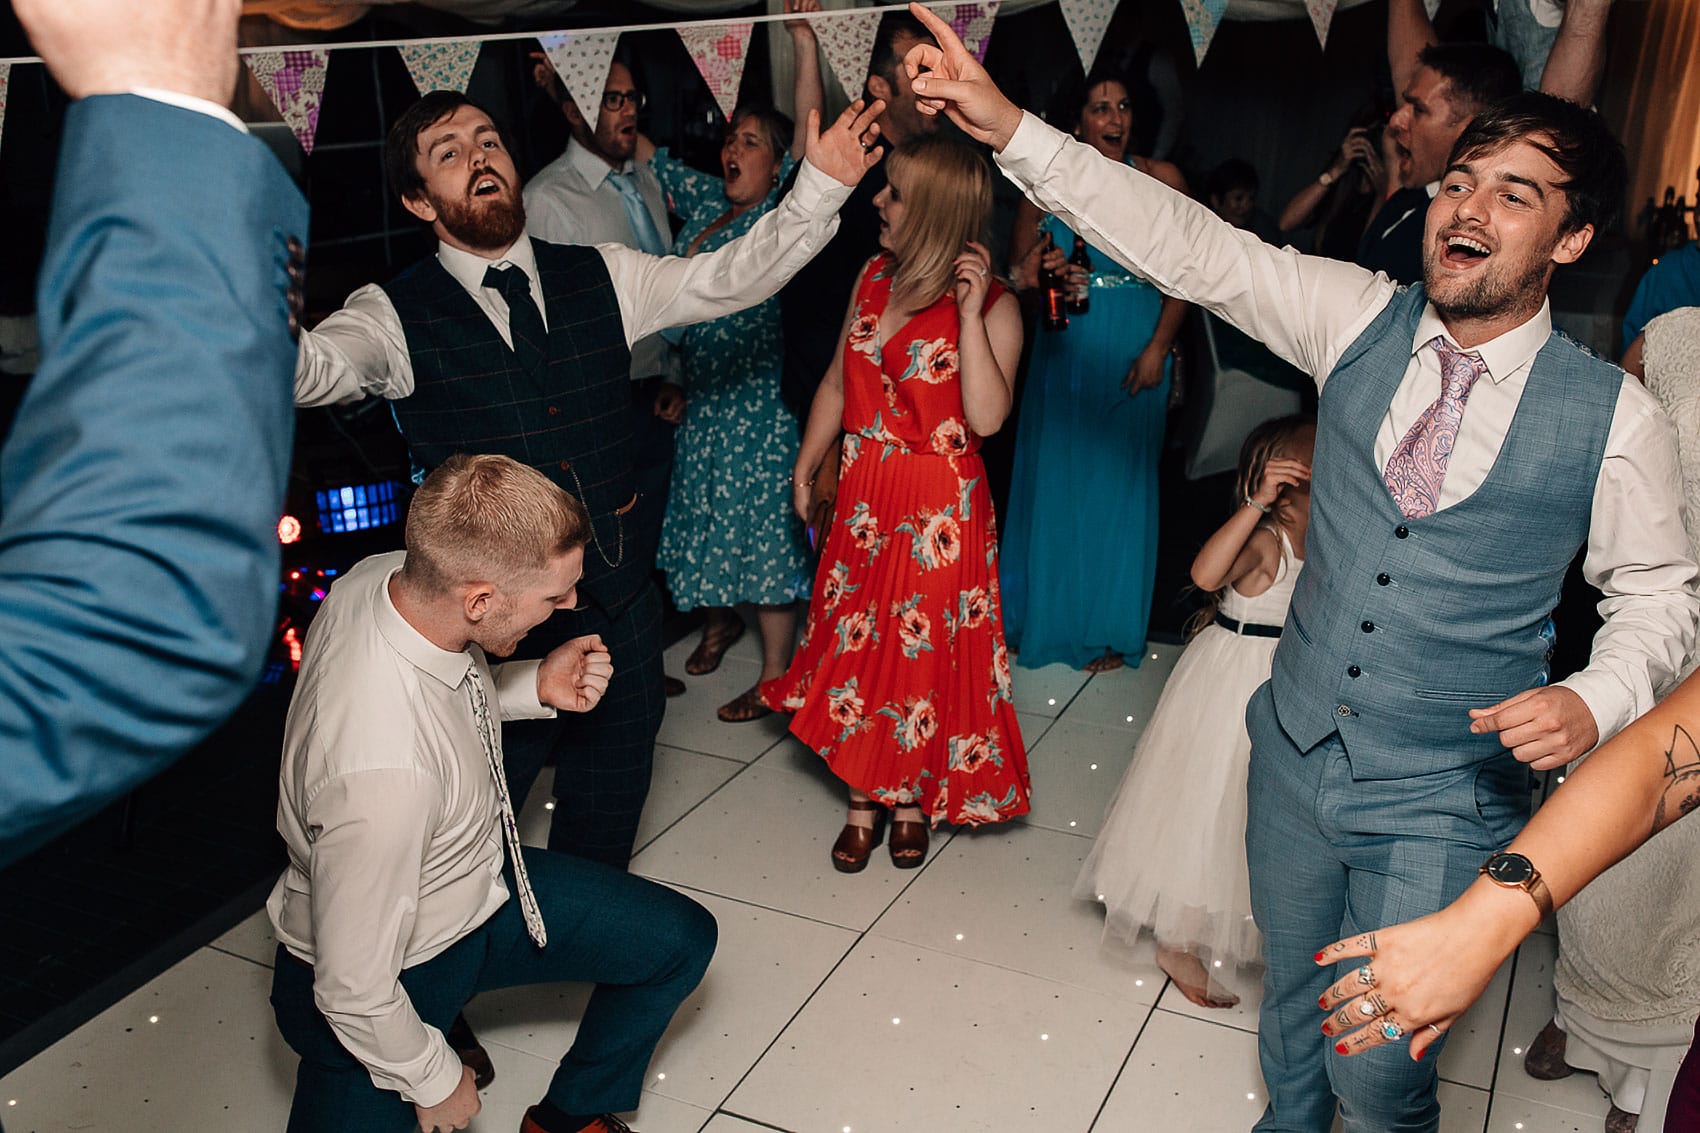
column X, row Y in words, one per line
column 1338, row 205
column 902, row 680
column 729, row 535
column 1080, row 541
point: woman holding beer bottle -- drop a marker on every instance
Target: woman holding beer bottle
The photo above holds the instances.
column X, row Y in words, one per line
column 1080, row 536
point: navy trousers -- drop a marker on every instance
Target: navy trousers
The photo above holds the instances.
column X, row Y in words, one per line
column 645, row 947
column 1331, row 856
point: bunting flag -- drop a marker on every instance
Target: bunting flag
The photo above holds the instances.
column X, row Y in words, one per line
column 1202, row 16
column 295, row 82
column 5, row 80
column 847, row 41
column 718, row 51
column 582, row 60
column 972, row 24
column 1321, row 17
column 1087, row 21
column 440, row 66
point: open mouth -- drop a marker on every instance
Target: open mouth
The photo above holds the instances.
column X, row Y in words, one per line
column 486, row 186
column 1460, row 251
column 1113, row 139
column 733, row 171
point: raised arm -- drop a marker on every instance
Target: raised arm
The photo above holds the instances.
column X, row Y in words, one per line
column 1578, row 55
column 141, row 483
column 1429, row 971
column 1409, row 30
column 656, row 292
column 807, row 93
column 360, row 351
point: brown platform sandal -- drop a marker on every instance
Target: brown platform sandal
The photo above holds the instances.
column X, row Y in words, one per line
column 705, row 658
column 908, row 841
column 856, row 843
column 743, row 708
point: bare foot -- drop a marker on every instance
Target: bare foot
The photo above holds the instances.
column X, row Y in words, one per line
column 1109, row 662
column 1190, row 977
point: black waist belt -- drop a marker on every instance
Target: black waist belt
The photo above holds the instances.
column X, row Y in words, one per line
column 1246, row 629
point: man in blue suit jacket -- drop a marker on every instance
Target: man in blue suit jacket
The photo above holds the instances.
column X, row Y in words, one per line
column 142, row 481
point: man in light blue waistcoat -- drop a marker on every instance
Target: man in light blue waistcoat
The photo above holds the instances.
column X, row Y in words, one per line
column 1392, row 748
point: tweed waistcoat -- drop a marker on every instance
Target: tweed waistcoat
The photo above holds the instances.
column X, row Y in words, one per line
column 573, row 425
column 1399, row 626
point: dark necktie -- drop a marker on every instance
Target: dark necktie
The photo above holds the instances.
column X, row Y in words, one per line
column 525, row 321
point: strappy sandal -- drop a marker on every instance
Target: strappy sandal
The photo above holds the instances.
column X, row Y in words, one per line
column 705, row 658
column 1108, row 663
column 856, row 843
column 745, row 707
column 908, row 841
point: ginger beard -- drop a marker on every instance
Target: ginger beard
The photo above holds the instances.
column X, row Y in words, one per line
column 491, row 214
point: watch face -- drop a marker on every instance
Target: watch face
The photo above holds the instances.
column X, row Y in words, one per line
column 1510, row 869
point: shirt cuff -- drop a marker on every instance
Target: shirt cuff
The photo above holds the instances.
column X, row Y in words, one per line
column 516, row 691
column 1030, row 150
column 817, row 191
column 190, row 102
column 1611, row 705
column 442, row 1082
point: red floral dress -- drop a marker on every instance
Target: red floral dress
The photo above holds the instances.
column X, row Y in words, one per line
column 901, row 682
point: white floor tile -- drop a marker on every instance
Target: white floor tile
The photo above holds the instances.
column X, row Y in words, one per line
column 252, row 938
column 1125, row 697
column 1473, row 1043
column 726, row 1123
column 766, row 966
column 1517, row 1115
column 680, row 781
column 213, row 1059
column 973, row 1047
column 1247, row 983
column 1002, row 895
column 1531, row 1009
column 521, row 1079
column 1046, row 691
column 766, row 838
column 691, row 723
column 1186, row 1074
column 1075, row 770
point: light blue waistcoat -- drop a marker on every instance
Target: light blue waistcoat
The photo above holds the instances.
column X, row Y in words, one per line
column 1436, row 615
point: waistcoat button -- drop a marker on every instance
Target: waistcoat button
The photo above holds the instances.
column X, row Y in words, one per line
column 554, row 411
column 1382, row 580
column 1342, row 710
column 1354, row 672
column 1369, row 627
column 1401, row 531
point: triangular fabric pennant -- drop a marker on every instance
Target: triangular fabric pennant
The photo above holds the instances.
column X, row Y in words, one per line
column 1321, row 17
column 295, row 82
column 847, row 41
column 440, row 66
column 1087, row 21
column 5, row 81
column 582, row 60
column 718, row 51
column 1202, row 16
column 972, row 24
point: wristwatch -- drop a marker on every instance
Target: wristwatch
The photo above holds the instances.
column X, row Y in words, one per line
column 1514, row 871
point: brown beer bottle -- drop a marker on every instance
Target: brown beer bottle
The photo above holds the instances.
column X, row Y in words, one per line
column 1055, row 314
column 1079, row 301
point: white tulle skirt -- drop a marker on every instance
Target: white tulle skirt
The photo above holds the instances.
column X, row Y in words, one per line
column 1170, row 857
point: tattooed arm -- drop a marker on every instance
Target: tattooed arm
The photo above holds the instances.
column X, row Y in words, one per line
column 1430, row 970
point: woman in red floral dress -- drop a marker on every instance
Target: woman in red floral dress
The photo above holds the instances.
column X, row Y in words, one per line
column 901, row 682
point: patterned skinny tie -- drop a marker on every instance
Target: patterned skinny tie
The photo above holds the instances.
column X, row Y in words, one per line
column 648, row 237
column 525, row 321
column 510, row 830
column 1417, row 467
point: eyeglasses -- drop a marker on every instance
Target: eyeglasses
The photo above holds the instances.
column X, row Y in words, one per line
column 615, row 99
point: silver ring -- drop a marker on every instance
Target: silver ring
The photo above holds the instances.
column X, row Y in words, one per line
column 1437, row 1031
column 1367, row 1008
column 866, row 146
column 1366, row 977
column 1391, row 1030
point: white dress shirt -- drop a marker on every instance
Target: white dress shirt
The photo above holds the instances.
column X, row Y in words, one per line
column 361, row 350
column 571, row 201
column 387, row 807
column 1309, row 310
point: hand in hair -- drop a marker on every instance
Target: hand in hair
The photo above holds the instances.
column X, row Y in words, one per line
column 972, row 278
column 948, row 79
column 846, row 150
column 574, row 676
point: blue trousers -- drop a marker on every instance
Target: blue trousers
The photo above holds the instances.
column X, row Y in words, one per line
column 1331, row 856
column 645, row 947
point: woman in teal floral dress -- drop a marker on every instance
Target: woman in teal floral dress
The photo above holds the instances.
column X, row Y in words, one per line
column 730, row 534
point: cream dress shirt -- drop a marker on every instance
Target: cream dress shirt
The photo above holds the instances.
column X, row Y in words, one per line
column 1309, row 310
column 387, row 807
column 361, row 350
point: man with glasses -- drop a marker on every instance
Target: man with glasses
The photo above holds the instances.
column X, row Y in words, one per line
column 595, row 193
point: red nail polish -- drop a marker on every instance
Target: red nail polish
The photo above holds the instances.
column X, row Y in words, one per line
column 1323, row 1003
column 1326, row 1031
column 1339, row 1048
column 1317, row 957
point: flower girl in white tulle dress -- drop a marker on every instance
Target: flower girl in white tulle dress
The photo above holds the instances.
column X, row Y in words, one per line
column 1171, row 855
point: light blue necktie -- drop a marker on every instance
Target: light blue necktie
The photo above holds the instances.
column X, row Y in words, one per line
column 643, row 225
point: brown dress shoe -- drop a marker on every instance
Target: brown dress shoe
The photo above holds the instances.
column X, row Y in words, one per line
column 605, row 1123
column 1545, row 1059
column 471, row 1053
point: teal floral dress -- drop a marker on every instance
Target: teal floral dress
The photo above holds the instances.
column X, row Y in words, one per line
column 730, row 534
